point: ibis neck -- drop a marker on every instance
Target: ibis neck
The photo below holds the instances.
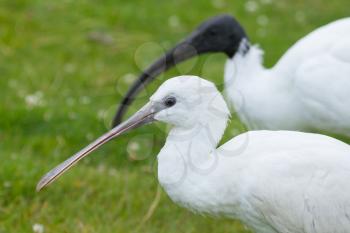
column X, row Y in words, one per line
column 261, row 97
column 244, row 67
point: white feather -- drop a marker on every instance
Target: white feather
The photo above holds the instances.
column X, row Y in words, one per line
column 307, row 90
column 273, row 181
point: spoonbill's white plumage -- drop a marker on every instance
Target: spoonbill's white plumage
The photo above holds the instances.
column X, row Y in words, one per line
column 273, row 181
column 307, row 90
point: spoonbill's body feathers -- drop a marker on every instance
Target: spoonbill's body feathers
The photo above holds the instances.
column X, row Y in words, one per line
column 281, row 182
column 307, row 90
column 274, row 181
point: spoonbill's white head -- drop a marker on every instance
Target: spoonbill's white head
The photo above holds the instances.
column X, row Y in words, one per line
column 184, row 102
column 187, row 101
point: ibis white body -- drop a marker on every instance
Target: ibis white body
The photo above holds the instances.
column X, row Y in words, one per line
column 307, row 90
column 273, row 181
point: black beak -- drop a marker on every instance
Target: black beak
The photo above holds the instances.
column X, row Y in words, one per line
column 143, row 116
column 219, row 34
column 181, row 52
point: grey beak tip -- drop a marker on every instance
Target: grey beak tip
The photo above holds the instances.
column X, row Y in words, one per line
column 39, row 186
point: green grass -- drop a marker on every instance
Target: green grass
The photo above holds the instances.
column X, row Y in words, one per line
column 64, row 66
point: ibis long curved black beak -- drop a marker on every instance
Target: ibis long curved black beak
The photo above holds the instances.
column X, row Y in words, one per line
column 218, row 34
column 181, row 52
column 143, row 116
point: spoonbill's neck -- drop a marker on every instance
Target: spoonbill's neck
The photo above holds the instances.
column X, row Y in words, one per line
column 188, row 162
column 195, row 144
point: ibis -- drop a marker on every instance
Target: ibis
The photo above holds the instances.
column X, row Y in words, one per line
column 273, row 181
column 307, row 90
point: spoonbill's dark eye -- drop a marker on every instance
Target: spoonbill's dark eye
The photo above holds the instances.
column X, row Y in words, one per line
column 170, row 101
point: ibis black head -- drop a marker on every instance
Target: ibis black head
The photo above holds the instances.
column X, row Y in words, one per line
column 220, row 34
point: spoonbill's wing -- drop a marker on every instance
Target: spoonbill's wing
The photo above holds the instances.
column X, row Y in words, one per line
column 293, row 181
column 312, row 186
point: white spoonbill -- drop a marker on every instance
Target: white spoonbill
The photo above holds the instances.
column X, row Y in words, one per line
column 273, row 181
column 307, row 90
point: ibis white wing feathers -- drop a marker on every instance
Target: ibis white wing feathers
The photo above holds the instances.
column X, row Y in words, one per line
column 322, row 79
column 307, row 90
column 331, row 39
column 323, row 88
column 318, row 67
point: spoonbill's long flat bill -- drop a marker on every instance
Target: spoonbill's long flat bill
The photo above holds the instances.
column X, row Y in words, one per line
column 307, row 90
column 273, row 181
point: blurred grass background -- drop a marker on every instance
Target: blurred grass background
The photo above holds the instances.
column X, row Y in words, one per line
column 64, row 66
